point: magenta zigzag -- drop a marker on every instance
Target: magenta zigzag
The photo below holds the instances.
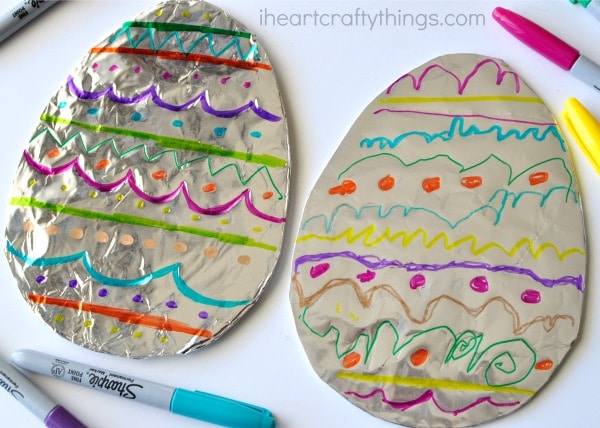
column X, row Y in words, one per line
column 130, row 180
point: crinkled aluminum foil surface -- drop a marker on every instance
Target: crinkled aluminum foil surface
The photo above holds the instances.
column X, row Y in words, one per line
column 439, row 268
column 148, row 210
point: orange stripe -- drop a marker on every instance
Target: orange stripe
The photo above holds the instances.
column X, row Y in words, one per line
column 122, row 315
column 178, row 56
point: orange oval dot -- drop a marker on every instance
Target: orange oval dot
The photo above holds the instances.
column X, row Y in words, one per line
column 104, row 163
column 54, row 153
column 419, row 357
column 431, row 184
column 472, row 182
column 209, row 188
column 538, row 178
column 387, row 183
column 267, row 195
column 159, row 175
column 346, row 188
column 351, row 360
column 349, row 186
column 544, row 365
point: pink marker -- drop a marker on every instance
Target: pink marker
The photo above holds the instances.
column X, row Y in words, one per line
column 547, row 44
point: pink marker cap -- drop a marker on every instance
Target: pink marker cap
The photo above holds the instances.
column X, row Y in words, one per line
column 537, row 38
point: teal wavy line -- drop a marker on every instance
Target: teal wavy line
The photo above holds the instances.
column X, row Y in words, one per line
column 173, row 270
column 149, row 34
column 460, row 349
column 144, row 149
column 406, row 210
column 457, row 128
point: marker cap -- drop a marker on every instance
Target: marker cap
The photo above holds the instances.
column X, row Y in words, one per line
column 585, row 130
column 219, row 410
column 584, row 3
column 60, row 418
column 537, row 38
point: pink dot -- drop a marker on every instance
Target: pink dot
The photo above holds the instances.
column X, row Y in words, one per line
column 138, row 69
column 196, row 76
column 480, row 284
column 417, row 281
column 367, row 276
column 247, row 84
column 318, row 270
column 225, row 79
column 531, row 297
column 166, row 75
column 95, row 66
column 113, row 67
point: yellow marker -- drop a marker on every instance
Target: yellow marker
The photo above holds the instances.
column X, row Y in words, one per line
column 585, row 130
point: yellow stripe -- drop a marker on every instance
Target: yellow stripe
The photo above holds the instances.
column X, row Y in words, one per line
column 460, row 99
column 433, row 383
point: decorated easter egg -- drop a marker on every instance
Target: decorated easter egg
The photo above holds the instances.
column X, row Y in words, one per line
column 438, row 274
column 148, row 208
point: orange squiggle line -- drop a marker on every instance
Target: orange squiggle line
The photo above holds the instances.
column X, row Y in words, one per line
column 122, row 315
column 366, row 299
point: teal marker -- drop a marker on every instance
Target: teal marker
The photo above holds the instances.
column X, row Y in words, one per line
column 593, row 6
column 193, row 404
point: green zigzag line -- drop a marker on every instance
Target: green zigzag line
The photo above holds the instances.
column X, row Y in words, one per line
column 144, row 148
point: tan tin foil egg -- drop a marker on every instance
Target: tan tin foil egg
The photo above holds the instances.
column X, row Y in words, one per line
column 439, row 270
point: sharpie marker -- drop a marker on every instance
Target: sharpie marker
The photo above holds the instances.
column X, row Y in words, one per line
column 593, row 6
column 21, row 15
column 193, row 404
column 585, row 130
column 38, row 403
column 550, row 46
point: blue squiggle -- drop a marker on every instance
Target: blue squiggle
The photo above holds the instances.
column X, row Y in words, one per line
column 457, row 129
column 84, row 257
column 150, row 33
column 406, row 209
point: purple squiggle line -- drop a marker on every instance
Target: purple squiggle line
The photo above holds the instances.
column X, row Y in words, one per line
column 152, row 92
column 428, row 396
column 462, row 85
column 374, row 262
column 130, row 180
column 428, row 113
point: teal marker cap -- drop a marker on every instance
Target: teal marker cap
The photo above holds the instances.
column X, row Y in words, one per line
column 220, row 410
column 584, row 3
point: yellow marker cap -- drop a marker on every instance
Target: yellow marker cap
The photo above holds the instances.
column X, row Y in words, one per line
column 585, row 128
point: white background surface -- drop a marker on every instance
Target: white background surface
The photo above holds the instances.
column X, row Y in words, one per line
column 327, row 76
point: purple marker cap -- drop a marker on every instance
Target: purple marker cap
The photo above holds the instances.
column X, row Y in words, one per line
column 60, row 418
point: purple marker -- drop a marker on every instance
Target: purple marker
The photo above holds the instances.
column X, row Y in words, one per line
column 38, row 403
